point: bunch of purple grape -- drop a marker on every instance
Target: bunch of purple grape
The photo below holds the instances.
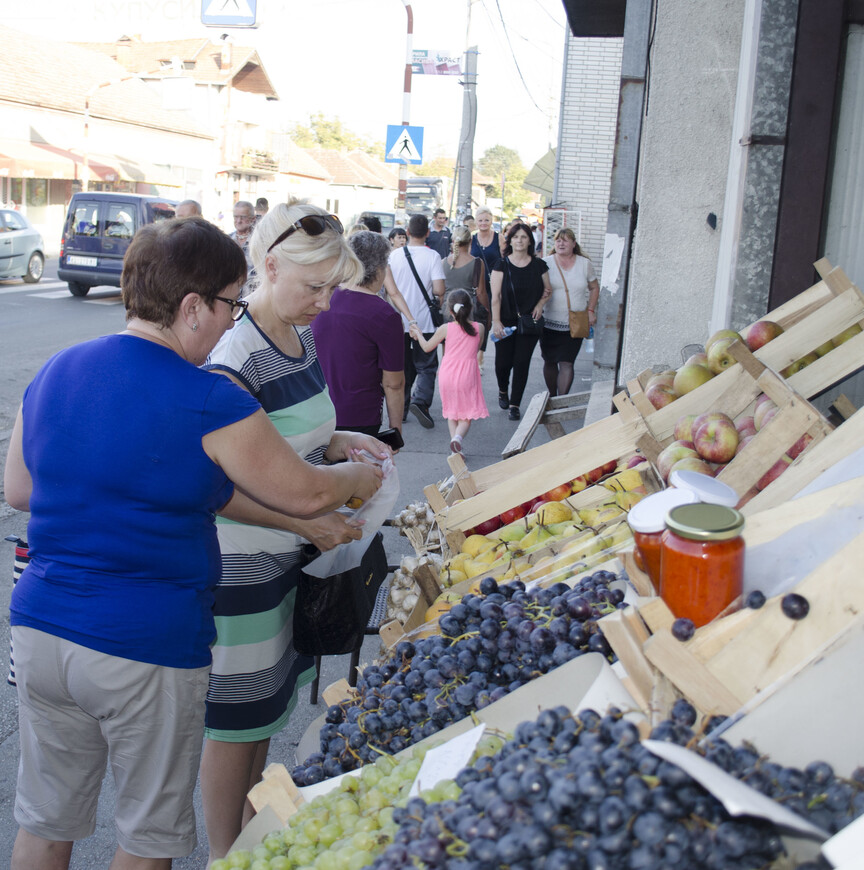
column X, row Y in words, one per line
column 815, row 793
column 490, row 644
column 577, row 793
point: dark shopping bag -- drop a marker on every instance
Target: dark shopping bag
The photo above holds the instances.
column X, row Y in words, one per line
column 331, row 615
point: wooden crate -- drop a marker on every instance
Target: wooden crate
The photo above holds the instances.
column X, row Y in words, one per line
column 795, row 418
column 735, row 657
column 812, row 318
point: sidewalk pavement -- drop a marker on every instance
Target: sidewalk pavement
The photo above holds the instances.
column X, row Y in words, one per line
column 422, row 461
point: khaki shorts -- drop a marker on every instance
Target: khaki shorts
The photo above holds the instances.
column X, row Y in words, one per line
column 79, row 709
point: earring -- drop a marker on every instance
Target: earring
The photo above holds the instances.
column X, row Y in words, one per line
column 194, row 327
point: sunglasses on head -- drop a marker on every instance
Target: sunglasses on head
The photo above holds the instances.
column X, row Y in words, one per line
column 312, row 225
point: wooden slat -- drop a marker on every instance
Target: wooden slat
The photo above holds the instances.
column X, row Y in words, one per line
column 773, row 645
column 626, row 639
column 526, row 429
column 696, row 682
column 834, row 277
column 656, row 615
column 831, row 368
column 843, row 441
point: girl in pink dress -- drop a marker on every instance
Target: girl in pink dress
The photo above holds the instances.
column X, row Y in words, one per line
column 459, row 374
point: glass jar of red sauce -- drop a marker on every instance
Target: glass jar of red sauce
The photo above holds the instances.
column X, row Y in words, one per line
column 647, row 519
column 701, row 560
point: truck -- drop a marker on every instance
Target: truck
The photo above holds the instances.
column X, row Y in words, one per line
column 424, row 194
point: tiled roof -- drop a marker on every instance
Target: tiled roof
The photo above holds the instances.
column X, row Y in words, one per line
column 389, row 178
column 298, row 161
column 346, row 168
column 202, row 60
column 57, row 75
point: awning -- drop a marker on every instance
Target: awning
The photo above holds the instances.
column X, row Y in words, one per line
column 541, row 178
column 22, row 159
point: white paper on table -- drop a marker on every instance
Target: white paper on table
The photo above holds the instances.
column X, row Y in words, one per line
column 606, row 691
column 737, row 797
column 845, row 848
column 445, row 761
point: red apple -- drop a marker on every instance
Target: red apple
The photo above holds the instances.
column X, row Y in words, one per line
column 692, row 463
column 844, row 336
column 719, row 358
column 609, row 467
column 661, row 378
column 512, row 514
column 689, row 377
column 698, row 359
column 670, row 454
column 773, row 472
column 557, row 492
column 799, row 446
column 760, row 333
column 594, row 475
column 717, row 439
column 745, row 426
column 684, row 428
column 763, row 414
column 486, row 527
column 704, row 420
column 660, row 395
column 720, row 335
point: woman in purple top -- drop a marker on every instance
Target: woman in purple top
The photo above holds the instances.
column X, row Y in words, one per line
column 361, row 347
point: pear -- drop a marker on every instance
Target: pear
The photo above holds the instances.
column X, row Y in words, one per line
column 626, row 500
column 455, row 564
column 473, row 568
column 607, row 514
column 476, row 544
column 589, row 515
column 488, row 556
column 537, row 536
column 561, row 530
column 513, row 532
column 549, row 513
column 628, row 479
column 450, row 577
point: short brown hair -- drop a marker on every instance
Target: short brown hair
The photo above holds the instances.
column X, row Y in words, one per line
column 169, row 259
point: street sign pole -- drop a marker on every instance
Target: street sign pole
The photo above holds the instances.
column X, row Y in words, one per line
column 406, row 109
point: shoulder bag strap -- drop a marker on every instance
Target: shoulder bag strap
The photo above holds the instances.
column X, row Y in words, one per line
column 475, row 277
column 417, row 277
column 563, row 281
column 512, row 288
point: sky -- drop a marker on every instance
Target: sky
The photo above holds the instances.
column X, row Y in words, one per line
column 346, row 58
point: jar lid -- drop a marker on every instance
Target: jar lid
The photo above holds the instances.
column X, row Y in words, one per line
column 708, row 489
column 649, row 515
column 705, row 522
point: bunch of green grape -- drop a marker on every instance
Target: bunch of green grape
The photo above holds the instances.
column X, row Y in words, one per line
column 346, row 828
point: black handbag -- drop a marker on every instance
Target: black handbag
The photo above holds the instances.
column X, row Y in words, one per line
column 525, row 323
column 433, row 303
column 331, row 614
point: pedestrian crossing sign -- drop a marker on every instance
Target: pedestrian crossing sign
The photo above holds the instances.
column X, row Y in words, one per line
column 228, row 13
column 403, row 144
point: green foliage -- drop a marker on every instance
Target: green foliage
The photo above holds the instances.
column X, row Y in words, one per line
column 323, row 132
column 500, row 160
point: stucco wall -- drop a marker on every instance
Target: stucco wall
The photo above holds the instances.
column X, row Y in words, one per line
column 587, row 137
column 684, row 164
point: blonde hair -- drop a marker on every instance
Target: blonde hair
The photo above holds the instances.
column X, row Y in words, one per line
column 461, row 237
column 300, row 248
column 483, row 210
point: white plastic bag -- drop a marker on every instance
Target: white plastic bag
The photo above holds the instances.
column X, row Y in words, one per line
column 373, row 513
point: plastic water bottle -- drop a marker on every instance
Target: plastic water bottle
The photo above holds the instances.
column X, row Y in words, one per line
column 508, row 331
column 589, row 342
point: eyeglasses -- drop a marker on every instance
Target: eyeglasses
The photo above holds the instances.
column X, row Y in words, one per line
column 312, row 225
column 238, row 306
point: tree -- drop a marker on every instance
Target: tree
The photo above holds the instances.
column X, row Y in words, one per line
column 326, row 132
column 500, row 161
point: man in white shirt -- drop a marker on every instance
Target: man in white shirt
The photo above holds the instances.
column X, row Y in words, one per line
column 420, row 367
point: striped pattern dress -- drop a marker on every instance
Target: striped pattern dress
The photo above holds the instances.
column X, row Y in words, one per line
column 256, row 672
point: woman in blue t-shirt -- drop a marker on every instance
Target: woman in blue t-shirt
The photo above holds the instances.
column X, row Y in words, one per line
column 123, row 451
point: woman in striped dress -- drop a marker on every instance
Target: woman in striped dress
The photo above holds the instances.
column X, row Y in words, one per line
column 300, row 255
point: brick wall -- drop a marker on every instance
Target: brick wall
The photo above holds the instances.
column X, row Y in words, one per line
column 588, row 120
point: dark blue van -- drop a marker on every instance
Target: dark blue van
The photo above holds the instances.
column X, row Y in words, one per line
column 98, row 229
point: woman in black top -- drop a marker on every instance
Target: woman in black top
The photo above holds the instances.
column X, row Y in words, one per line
column 520, row 285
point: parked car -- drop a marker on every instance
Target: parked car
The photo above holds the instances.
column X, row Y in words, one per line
column 387, row 218
column 97, row 232
column 22, row 251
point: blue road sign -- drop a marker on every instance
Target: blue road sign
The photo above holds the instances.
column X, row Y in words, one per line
column 229, row 13
column 403, row 144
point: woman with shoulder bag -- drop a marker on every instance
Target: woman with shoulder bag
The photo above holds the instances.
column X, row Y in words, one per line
column 570, row 312
column 465, row 272
column 520, row 288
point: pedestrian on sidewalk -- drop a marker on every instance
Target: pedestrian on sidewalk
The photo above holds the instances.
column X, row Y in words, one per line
column 419, row 276
column 520, row 288
column 459, row 376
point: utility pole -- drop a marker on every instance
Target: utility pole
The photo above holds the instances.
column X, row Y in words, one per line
column 406, row 105
column 469, row 123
